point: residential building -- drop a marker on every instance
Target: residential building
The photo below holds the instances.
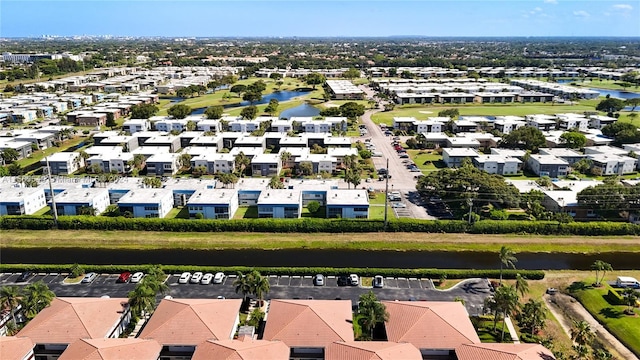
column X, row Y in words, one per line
column 147, row 203
column 347, row 204
column 464, row 126
column 173, row 142
column 453, row 156
column 506, row 126
column 215, row 163
column 570, row 156
column 163, row 164
column 533, row 96
column 112, row 349
column 17, row 348
column 266, row 165
column 133, row 126
column 462, row 142
column 170, row 125
column 89, row 201
column 378, row 350
column 343, row 90
column 90, row 119
column 245, row 348
column 23, row 148
column 213, row 203
column 308, row 327
column 548, row 165
column 503, row 351
column 541, row 122
column 21, row 200
column 497, row 164
column 600, row 121
column 435, row 328
column 571, row 121
column 280, row 204
column 340, row 153
column 213, row 125
column 207, row 319
column 63, row 163
column 128, row 143
column 111, row 162
column 43, row 140
column 81, row 317
column 319, row 162
column 613, row 164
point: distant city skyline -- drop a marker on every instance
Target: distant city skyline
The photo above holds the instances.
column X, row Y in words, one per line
column 308, row 18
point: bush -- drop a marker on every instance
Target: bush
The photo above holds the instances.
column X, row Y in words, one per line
column 76, row 270
column 313, row 206
column 614, row 298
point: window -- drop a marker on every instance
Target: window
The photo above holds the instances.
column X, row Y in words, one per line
column 360, row 209
column 151, row 208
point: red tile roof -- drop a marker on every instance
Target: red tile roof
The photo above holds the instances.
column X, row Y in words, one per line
column 192, row 321
column 371, row 350
column 70, row 319
column 15, row 348
column 112, row 349
column 503, row 352
column 430, row 324
column 309, row 323
column 247, row 349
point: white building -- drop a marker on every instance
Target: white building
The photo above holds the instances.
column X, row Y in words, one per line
column 133, row 126
column 147, row 203
column 21, row 200
column 72, row 201
column 213, row 203
column 497, row 164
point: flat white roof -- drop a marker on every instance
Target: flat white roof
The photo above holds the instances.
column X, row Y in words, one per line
column 347, row 197
column 80, row 196
column 279, row 197
column 10, row 194
column 548, row 159
column 460, row 152
column 145, row 196
column 212, row 197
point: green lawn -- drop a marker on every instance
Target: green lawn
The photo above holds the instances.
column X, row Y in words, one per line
column 481, row 110
column 626, row 328
column 426, row 160
column 484, row 328
column 605, row 84
column 36, row 156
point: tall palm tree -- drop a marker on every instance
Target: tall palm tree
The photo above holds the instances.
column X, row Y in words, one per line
column 285, row 157
column 10, row 298
column 533, row 316
column 582, row 351
column 371, row 312
column 506, row 299
column 242, row 162
column 507, row 259
column 581, row 332
column 37, row 296
column 522, row 286
column 142, row 299
column 259, row 285
column 630, row 296
column 242, row 285
column 600, row 266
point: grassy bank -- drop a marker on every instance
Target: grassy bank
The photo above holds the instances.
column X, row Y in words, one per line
column 354, row 241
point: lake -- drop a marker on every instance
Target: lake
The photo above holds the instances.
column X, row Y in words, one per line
column 280, row 96
column 300, row 110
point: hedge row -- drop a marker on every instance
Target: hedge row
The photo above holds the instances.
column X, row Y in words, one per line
column 310, row 225
column 614, row 298
column 175, row 269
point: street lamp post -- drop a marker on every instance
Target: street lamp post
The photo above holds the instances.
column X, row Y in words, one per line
column 386, row 197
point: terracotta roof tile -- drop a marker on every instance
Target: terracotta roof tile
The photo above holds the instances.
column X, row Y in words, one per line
column 371, row 350
column 15, row 348
column 192, row 321
column 69, row 319
column 112, row 349
column 430, row 324
column 241, row 350
column 313, row 323
column 503, row 352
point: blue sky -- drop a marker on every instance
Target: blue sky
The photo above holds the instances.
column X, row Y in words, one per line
column 20, row 18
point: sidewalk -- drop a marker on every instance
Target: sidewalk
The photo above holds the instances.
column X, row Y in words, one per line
column 512, row 330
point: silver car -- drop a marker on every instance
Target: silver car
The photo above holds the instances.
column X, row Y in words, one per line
column 89, row 277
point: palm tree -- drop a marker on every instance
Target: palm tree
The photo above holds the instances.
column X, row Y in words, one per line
column 506, row 299
column 533, row 316
column 581, row 332
column 142, row 299
column 10, row 298
column 600, row 266
column 284, row 157
column 602, row 354
column 522, row 286
column 581, row 351
column 242, row 285
column 507, row 259
column 155, row 279
column 185, row 161
column 37, row 297
column 242, row 161
column 259, row 285
column 371, row 312
column 275, row 183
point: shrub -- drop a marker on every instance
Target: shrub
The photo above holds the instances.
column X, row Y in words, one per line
column 313, row 206
column 76, row 270
column 614, row 298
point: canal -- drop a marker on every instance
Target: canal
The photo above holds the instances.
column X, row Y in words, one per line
column 317, row 258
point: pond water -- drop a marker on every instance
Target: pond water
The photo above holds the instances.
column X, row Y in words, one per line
column 617, row 93
column 280, row 96
column 316, row 258
column 300, row 110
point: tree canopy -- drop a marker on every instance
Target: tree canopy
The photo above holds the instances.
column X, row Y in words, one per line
column 250, row 112
column 573, row 140
column 526, row 138
column 610, row 105
column 622, row 133
column 614, row 197
column 314, row 79
column 351, row 109
column 179, row 111
column 214, row 112
column 468, row 182
column 143, row 111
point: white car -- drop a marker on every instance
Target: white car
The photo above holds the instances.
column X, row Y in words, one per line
column 184, row 278
column 197, row 276
column 206, row 279
column 218, row 278
column 378, row 281
column 399, row 205
column 89, row 277
column 354, row 279
column 135, row 278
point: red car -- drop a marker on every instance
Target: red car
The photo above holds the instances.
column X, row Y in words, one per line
column 124, row 277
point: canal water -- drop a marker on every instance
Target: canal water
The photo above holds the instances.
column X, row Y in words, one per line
column 317, row 258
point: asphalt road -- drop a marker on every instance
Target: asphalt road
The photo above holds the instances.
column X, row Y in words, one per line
column 473, row 291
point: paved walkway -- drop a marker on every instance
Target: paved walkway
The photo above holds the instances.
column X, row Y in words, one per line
column 135, row 331
column 560, row 305
column 512, row 330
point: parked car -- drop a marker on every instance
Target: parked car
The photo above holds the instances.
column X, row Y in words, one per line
column 24, row 276
column 218, row 278
column 137, row 277
column 354, row 280
column 343, row 280
column 206, row 279
column 197, row 276
column 398, row 205
column 404, row 156
column 378, row 281
column 124, row 277
column 184, row 278
column 89, row 277
column 382, row 171
column 414, row 169
column 318, row 280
